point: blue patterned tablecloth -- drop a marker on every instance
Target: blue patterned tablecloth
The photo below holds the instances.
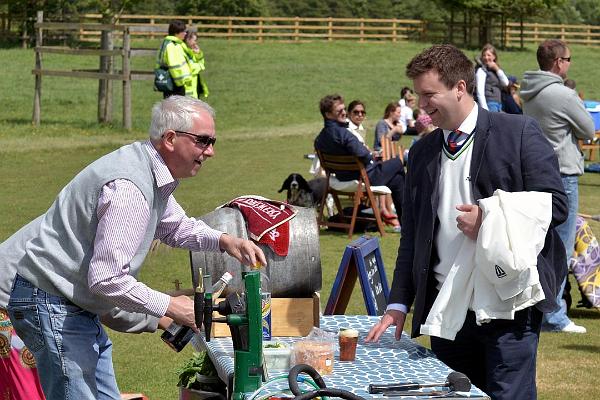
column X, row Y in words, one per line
column 388, row 361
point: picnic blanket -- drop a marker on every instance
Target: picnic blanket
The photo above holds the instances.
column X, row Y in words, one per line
column 586, row 267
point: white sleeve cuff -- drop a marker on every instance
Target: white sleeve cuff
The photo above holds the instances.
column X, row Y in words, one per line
column 398, row 307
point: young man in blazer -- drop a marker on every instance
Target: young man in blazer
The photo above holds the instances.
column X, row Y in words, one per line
column 472, row 154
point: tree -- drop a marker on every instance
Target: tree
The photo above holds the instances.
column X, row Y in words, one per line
column 236, row 8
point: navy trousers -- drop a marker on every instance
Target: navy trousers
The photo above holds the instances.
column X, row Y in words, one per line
column 499, row 357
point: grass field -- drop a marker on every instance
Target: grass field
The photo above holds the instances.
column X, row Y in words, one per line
column 266, row 100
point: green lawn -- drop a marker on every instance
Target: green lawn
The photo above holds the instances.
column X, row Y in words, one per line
column 266, row 98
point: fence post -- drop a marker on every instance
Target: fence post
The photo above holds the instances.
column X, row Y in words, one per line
column 230, row 28
column 126, row 80
column 330, row 30
column 260, row 30
column 24, row 37
column 362, row 30
column 588, row 40
column 451, row 27
column 152, row 32
column 394, row 32
column 522, row 31
column 297, row 29
column 37, row 96
column 105, row 85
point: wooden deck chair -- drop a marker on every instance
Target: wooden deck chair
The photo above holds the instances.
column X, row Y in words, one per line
column 591, row 147
column 358, row 191
column 391, row 149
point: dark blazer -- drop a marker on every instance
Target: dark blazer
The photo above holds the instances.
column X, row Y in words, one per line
column 335, row 138
column 509, row 153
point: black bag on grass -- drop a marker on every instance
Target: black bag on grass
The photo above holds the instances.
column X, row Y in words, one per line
column 162, row 78
column 360, row 226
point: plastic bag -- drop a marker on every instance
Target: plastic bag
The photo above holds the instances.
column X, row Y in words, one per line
column 316, row 350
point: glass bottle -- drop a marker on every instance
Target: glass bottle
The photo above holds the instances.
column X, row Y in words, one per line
column 177, row 336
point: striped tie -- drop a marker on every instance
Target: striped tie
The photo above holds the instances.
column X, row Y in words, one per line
column 453, row 139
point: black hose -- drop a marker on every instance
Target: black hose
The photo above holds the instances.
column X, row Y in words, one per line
column 307, row 369
column 323, row 391
column 344, row 394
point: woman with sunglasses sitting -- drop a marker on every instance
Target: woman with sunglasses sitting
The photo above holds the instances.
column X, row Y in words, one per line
column 356, row 115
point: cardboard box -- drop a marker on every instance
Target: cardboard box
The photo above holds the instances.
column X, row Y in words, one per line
column 289, row 317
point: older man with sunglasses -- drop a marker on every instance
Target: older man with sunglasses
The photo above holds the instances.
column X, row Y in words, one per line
column 79, row 261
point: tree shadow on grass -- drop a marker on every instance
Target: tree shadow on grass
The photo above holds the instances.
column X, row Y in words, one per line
column 584, row 313
column 589, row 184
column 355, row 235
column 18, row 121
column 50, row 123
column 587, row 348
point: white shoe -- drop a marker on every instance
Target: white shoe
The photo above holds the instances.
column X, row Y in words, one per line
column 572, row 328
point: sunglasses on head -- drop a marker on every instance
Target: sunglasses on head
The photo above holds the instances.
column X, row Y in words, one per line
column 202, row 140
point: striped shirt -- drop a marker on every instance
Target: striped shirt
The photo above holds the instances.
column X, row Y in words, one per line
column 123, row 215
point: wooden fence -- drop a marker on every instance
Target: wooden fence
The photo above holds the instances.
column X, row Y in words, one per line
column 511, row 34
column 273, row 28
column 299, row 29
column 105, row 74
column 535, row 33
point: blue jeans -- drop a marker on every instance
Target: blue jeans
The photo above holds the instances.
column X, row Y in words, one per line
column 72, row 352
column 557, row 320
column 494, row 106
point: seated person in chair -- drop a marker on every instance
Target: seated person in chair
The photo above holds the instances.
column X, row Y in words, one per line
column 335, row 139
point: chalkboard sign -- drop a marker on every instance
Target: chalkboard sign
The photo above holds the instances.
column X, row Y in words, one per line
column 362, row 260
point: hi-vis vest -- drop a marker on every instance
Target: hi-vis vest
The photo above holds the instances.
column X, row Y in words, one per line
column 175, row 59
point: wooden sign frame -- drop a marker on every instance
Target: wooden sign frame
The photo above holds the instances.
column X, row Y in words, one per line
column 362, row 260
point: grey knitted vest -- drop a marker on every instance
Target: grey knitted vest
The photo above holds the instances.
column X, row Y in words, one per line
column 53, row 251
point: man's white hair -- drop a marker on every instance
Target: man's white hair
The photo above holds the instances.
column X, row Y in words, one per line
column 176, row 113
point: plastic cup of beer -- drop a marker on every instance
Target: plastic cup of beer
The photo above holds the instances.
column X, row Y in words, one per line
column 348, row 339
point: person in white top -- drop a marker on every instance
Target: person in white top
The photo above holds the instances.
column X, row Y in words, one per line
column 403, row 92
column 357, row 113
column 491, row 79
column 407, row 118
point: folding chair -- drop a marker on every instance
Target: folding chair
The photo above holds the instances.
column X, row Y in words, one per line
column 592, row 146
column 391, row 149
column 357, row 190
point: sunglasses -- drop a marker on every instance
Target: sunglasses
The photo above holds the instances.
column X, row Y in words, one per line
column 201, row 140
column 359, row 112
column 568, row 59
